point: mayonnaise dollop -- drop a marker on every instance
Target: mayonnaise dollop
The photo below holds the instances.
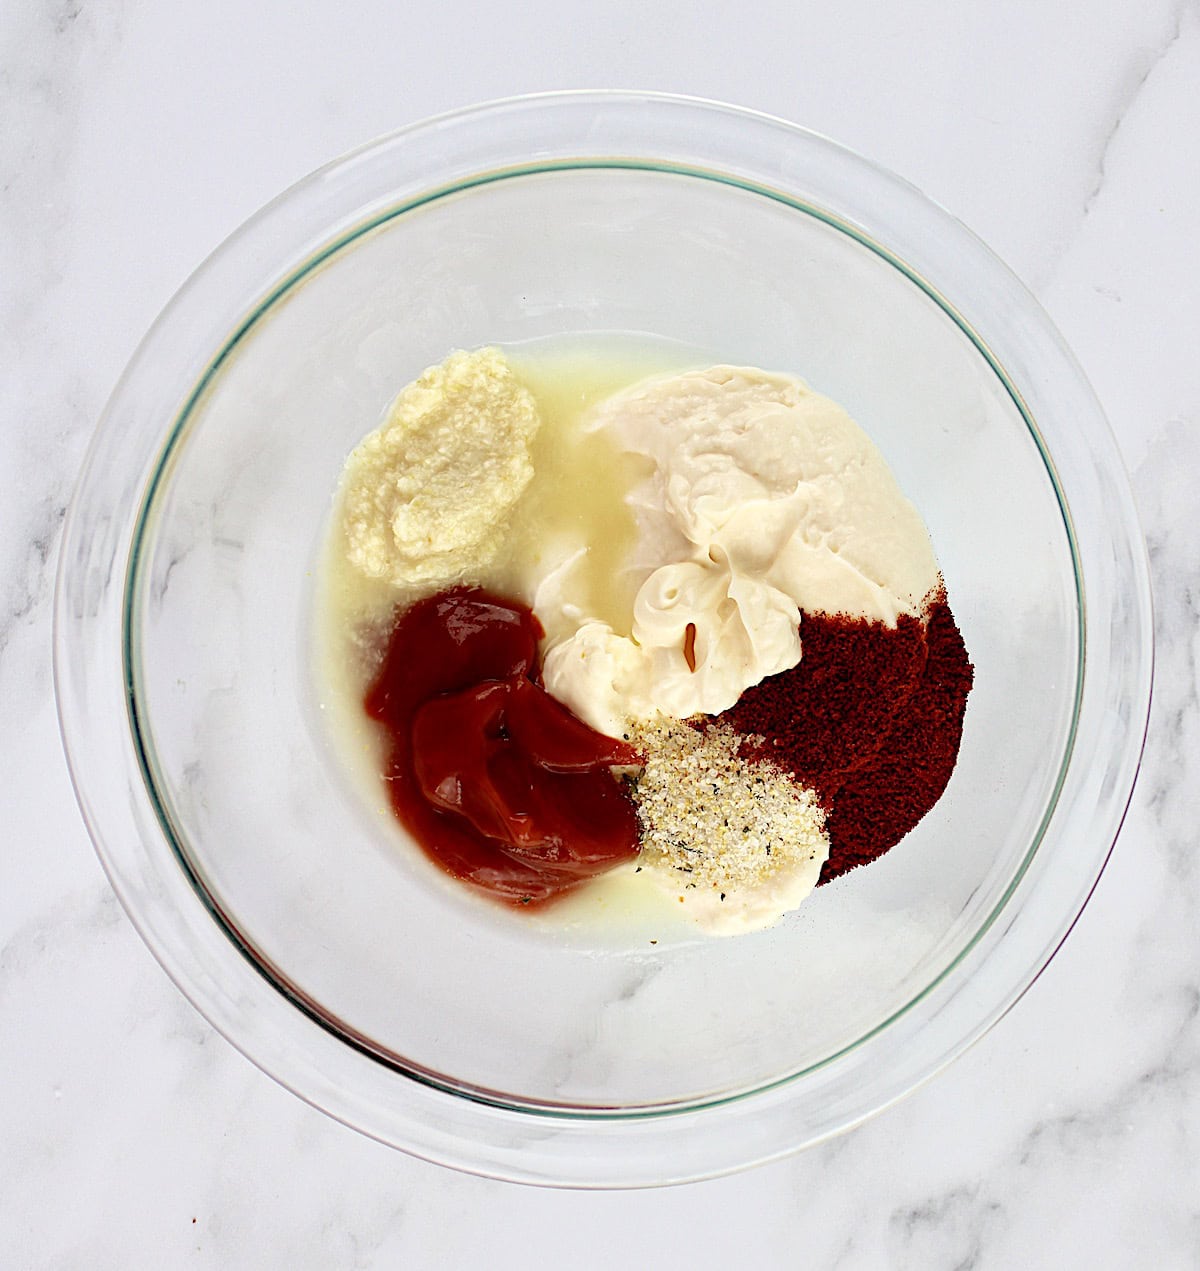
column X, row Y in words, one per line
column 763, row 499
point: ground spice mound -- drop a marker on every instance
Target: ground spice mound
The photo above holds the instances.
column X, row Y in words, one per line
column 716, row 819
column 876, row 807
column 871, row 717
column 828, row 716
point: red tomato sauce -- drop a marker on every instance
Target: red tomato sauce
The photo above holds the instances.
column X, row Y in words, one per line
column 499, row 783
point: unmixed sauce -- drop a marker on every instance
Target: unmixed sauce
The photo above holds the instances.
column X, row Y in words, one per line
column 505, row 788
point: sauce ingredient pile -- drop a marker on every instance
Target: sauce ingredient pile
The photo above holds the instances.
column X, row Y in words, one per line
column 780, row 697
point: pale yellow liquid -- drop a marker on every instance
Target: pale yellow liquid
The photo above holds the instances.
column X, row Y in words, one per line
column 577, row 495
column 576, row 499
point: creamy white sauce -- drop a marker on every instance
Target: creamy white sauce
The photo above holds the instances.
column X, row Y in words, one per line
column 763, row 499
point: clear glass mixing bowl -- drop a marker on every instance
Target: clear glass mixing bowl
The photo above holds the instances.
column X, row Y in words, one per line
column 300, row 926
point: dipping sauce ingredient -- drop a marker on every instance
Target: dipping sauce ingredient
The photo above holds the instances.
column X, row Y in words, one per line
column 497, row 781
column 735, row 840
column 764, row 499
column 871, row 718
column 426, row 496
column 689, row 618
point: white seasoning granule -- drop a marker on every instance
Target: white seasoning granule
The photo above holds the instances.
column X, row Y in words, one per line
column 739, row 839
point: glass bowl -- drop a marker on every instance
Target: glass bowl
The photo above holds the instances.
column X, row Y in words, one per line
column 301, row 925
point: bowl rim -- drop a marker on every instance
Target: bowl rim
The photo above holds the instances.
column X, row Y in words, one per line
column 482, row 1132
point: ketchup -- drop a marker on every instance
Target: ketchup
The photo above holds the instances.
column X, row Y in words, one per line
column 499, row 783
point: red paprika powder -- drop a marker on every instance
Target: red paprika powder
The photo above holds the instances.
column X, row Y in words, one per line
column 871, row 718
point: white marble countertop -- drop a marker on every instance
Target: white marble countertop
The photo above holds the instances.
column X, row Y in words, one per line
column 133, row 138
